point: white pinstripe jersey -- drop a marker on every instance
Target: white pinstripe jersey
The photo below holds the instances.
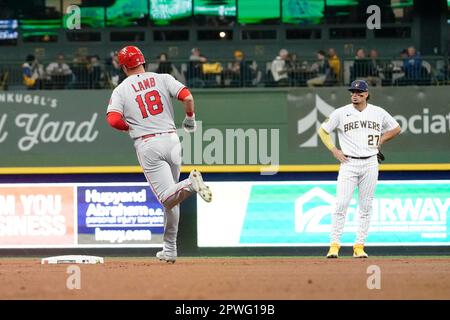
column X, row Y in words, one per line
column 359, row 132
column 145, row 102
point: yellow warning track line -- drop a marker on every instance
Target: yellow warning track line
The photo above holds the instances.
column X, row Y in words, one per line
column 219, row 168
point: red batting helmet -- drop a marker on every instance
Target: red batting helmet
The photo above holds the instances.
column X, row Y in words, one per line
column 131, row 57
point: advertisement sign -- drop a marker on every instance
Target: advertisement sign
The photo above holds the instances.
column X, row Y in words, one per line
column 119, row 215
column 422, row 113
column 36, row 215
column 8, row 29
column 66, row 129
column 299, row 214
column 80, row 215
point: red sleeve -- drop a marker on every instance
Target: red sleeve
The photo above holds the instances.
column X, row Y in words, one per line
column 115, row 120
column 183, row 94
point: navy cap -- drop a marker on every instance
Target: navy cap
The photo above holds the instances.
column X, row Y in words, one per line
column 359, row 85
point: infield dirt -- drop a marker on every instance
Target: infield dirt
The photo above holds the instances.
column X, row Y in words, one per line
column 230, row 278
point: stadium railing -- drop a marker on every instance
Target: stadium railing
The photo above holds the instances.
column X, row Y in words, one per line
column 225, row 73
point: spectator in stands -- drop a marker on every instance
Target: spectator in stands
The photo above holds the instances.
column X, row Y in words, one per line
column 80, row 71
column 33, row 73
column 397, row 65
column 166, row 66
column 412, row 64
column 404, row 54
column 60, row 73
column 296, row 71
column 335, row 64
column 394, row 70
column 375, row 77
column 412, row 68
column 114, row 74
column 195, row 76
column 373, row 56
column 94, row 72
column 279, row 68
column 363, row 68
column 444, row 73
column 232, row 74
column 240, row 72
column 360, row 66
column 321, row 69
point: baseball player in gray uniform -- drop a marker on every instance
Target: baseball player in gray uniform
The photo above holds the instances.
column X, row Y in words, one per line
column 362, row 129
column 142, row 106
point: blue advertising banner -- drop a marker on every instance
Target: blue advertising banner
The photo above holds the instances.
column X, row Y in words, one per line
column 119, row 215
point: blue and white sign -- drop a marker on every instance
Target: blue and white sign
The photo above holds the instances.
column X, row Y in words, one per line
column 126, row 214
column 8, row 29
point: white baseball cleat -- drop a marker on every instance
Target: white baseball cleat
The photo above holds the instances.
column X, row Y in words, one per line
column 199, row 186
column 165, row 256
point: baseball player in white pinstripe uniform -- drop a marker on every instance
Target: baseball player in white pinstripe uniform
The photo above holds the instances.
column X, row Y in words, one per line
column 362, row 129
column 142, row 106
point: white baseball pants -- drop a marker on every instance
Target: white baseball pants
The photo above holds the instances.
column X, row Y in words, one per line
column 160, row 158
column 361, row 173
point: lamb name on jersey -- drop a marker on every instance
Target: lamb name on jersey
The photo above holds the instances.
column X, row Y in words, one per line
column 145, row 101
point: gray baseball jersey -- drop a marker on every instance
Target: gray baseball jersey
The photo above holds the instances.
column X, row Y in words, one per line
column 145, row 102
column 359, row 132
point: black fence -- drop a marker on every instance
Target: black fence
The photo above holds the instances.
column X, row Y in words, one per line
column 96, row 74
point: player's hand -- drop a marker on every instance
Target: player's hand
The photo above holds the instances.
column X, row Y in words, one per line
column 189, row 124
column 339, row 155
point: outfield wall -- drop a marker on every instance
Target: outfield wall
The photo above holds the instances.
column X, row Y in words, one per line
column 241, row 130
column 61, row 165
column 252, row 214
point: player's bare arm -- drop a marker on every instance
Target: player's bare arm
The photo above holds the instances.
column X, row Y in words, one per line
column 388, row 135
column 326, row 139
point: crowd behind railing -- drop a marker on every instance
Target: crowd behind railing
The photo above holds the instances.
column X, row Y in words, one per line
column 285, row 70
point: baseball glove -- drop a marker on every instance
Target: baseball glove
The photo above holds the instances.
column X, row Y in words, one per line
column 380, row 157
